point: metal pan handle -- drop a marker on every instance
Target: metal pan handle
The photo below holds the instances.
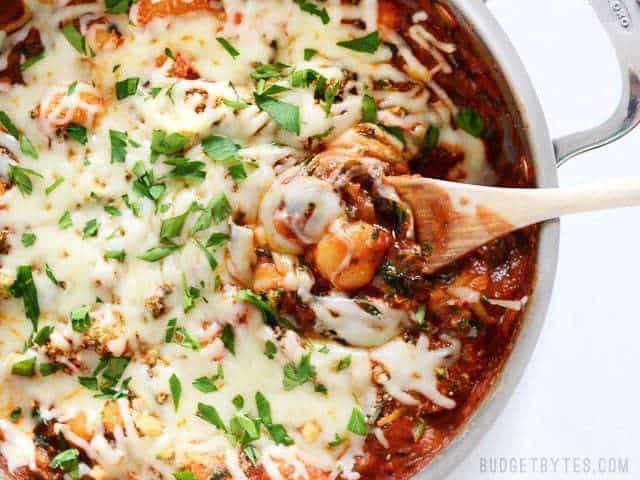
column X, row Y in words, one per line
column 621, row 19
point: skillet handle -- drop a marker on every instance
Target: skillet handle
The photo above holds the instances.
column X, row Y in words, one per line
column 621, row 19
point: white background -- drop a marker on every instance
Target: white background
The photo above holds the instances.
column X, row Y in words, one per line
column 580, row 396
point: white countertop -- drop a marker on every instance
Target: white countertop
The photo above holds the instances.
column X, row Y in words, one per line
column 580, row 396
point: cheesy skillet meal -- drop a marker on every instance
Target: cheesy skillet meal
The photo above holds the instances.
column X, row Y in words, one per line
column 203, row 274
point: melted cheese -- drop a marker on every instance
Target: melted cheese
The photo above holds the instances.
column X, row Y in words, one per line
column 277, row 201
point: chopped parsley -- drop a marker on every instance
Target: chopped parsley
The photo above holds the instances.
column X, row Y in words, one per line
column 156, row 254
column 184, row 475
column 127, row 87
column 24, row 368
column 470, row 121
column 185, row 169
column 118, row 255
column 25, row 288
column 118, row 142
column 65, row 220
column 358, row 423
column 57, row 182
column 336, row 442
column 28, row 239
column 189, row 295
column 266, row 71
column 286, row 115
column 276, row 431
column 172, row 227
column 42, row 336
column 146, row 185
column 180, row 335
column 176, row 390
column 105, row 378
column 163, row 144
column 51, row 276
column 209, row 414
column 228, row 47
column 238, row 401
column 313, row 9
column 228, row 338
column 69, row 462
column 20, row 176
column 16, row 414
column 80, row 319
column 90, row 228
column 78, row 133
column 235, row 104
column 344, row 363
column 270, row 349
column 367, row 44
column 210, row 384
column 118, row 6
column 309, row 53
column 29, row 62
column 26, row 146
column 112, row 210
column 296, row 375
column 369, row 110
column 77, row 40
column 269, row 316
column 213, row 263
column 431, row 138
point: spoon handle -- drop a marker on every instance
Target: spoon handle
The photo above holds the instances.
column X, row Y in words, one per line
column 523, row 207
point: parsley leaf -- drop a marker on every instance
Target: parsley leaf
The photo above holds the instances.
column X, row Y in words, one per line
column 78, row 133
column 24, row 368
column 185, row 169
column 65, row 220
column 20, row 176
column 209, row 384
column 358, row 423
column 296, row 375
column 369, row 110
column 228, row 47
column 69, row 462
column 80, row 319
column 77, row 41
column 367, row 44
column 266, row 71
column 117, row 6
column 176, row 390
column 209, row 414
column 431, row 138
column 28, row 239
column 156, row 254
column 127, row 87
column 344, row 363
column 29, row 62
column 309, row 53
column 91, row 228
column 118, row 142
column 286, row 115
column 58, row 181
column 25, row 288
column 163, row 144
column 312, row 9
column 270, row 349
column 228, row 338
column 471, row 122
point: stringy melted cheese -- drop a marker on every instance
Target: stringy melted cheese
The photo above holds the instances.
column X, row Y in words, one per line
column 152, row 439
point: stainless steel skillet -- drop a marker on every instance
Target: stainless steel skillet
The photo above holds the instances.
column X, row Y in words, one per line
column 621, row 19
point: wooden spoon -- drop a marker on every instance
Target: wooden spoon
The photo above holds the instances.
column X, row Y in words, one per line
column 456, row 218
